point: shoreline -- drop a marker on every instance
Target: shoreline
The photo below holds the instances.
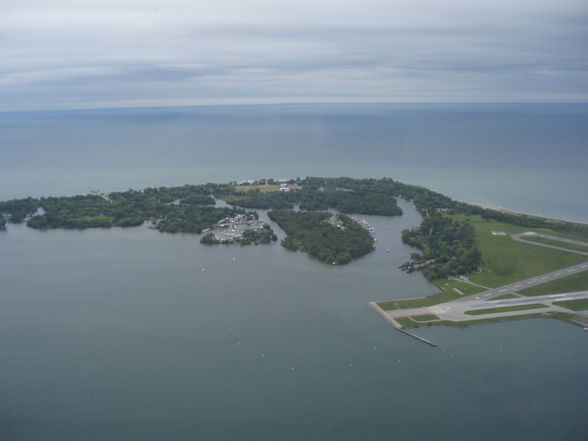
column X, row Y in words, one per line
column 521, row 213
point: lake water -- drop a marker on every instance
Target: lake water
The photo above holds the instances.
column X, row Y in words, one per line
column 130, row 334
column 524, row 157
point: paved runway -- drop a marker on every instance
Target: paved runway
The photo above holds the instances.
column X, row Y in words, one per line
column 455, row 310
column 522, row 284
column 521, row 238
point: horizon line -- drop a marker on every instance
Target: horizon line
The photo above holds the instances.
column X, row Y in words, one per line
column 294, row 103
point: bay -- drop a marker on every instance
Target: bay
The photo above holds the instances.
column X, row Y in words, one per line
column 132, row 334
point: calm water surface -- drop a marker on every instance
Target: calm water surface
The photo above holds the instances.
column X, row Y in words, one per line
column 130, row 334
column 522, row 157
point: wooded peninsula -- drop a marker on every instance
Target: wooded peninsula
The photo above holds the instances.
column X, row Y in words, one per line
column 312, row 211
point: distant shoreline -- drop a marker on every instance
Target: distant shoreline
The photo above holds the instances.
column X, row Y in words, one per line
column 520, row 213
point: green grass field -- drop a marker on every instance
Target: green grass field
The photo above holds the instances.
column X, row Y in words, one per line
column 406, row 322
column 566, row 317
column 447, row 293
column 262, row 188
column 506, row 297
column 419, row 302
column 447, row 286
column 505, row 309
column 416, row 320
column 577, row 282
column 574, row 305
column 506, row 260
column 424, row 317
column 572, row 236
column 569, row 246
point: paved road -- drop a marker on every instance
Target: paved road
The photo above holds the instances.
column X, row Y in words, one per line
column 557, row 239
column 521, row 238
column 457, row 311
column 522, row 284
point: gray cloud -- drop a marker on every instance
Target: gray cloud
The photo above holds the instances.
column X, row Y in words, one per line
column 129, row 52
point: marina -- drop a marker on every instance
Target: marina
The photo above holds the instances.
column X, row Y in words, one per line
column 365, row 224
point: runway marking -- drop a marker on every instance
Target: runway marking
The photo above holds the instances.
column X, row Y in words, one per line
column 558, row 274
column 558, row 295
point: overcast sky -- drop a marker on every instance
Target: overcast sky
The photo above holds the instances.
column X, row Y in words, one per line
column 111, row 53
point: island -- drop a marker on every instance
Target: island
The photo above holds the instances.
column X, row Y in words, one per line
column 334, row 239
column 488, row 264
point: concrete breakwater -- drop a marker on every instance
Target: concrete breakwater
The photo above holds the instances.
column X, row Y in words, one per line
column 396, row 326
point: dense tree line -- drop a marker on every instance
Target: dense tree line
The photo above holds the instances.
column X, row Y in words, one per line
column 256, row 237
column 312, row 233
column 448, row 243
column 187, row 194
column 190, row 209
column 193, row 219
column 17, row 210
column 524, row 220
column 347, row 195
column 84, row 212
column 358, row 202
column 255, row 199
column 426, row 201
column 312, row 199
column 176, row 209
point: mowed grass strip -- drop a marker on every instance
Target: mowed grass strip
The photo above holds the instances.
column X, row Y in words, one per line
column 424, row 317
column 506, row 297
column 419, row 302
column 508, row 318
column 506, row 260
column 564, row 316
column 449, row 285
column 574, row 305
column 505, row 309
column 406, row 322
column 573, row 283
column 262, row 188
column 556, row 243
column 416, row 320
